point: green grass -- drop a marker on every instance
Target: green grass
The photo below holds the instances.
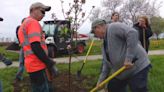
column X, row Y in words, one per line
column 11, row 55
column 96, row 49
column 156, row 74
column 156, row 44
column 92, row 70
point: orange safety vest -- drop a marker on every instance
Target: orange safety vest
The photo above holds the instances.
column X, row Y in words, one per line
column 31, row 31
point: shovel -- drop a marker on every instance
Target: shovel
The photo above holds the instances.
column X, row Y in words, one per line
column 111, row 77
column 79, row 71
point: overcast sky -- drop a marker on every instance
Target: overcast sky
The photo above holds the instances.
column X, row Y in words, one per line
column 13, row 11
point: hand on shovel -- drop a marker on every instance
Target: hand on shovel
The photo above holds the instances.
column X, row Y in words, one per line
column 128, row 64
column 101, row 88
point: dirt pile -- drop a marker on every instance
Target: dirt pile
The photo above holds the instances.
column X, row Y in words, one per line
column 60, row 83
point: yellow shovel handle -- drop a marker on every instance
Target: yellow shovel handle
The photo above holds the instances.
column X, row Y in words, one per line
column 109, row 78
column 89, row 50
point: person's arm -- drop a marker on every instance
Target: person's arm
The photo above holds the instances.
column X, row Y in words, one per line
column 39, row 52
column 105, row 69
column 132, row 41
column 104, row 72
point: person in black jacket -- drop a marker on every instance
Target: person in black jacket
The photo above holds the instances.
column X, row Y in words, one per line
column 144, row 31
column 21, row 59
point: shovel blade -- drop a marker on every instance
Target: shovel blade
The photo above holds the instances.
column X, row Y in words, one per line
column 78, row 74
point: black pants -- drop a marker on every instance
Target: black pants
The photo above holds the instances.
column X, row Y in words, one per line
column 40, row 82
column 137, row 83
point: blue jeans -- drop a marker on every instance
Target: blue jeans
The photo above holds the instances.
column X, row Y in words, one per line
column 40, row 82
column 21, row 65
column 137, row 83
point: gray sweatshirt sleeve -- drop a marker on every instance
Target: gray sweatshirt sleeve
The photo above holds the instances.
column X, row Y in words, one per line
column 105, row 69
column 132, row 41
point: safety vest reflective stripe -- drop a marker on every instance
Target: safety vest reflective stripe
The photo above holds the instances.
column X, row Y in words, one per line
column 28, row 52
column 26, row 43
column 43, row 43
column 34, row 34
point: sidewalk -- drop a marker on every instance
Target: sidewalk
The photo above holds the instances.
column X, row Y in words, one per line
column 156, row 52
column 81, row 58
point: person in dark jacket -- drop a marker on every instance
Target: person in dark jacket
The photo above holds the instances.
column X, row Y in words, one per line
column 21, row 59
column 144, row 31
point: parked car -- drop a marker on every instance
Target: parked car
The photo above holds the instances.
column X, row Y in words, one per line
column 161, row 36
column 153, row 37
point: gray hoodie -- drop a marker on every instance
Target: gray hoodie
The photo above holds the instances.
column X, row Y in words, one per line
column 122, row 43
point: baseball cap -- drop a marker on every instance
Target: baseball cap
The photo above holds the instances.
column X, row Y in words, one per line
column 40, row 5
column 97, row 22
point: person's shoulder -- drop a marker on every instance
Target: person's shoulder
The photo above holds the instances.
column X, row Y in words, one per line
column 31, row 21
column 136, row 25
column 18, row 27
column 117, row 24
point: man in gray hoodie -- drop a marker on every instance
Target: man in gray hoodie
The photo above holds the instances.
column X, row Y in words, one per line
column 121, row 48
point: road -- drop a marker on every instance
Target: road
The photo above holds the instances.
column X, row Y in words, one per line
column 81, row 58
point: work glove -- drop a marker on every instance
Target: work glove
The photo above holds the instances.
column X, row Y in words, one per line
column 50, row 63
column 52, row 68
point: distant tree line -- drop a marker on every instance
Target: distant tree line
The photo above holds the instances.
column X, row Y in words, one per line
column 130, row 10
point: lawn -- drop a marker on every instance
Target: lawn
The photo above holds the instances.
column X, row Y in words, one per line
column 96, row 49
column 92, row 69
column 11, row 55
column 156, row 44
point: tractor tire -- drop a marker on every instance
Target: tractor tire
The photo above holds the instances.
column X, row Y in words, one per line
column 52, row 51
column 80, row 48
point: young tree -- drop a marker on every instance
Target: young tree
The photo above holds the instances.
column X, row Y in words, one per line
column 75, row 13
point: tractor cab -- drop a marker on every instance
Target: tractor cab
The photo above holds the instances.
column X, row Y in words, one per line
column 58, row 36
